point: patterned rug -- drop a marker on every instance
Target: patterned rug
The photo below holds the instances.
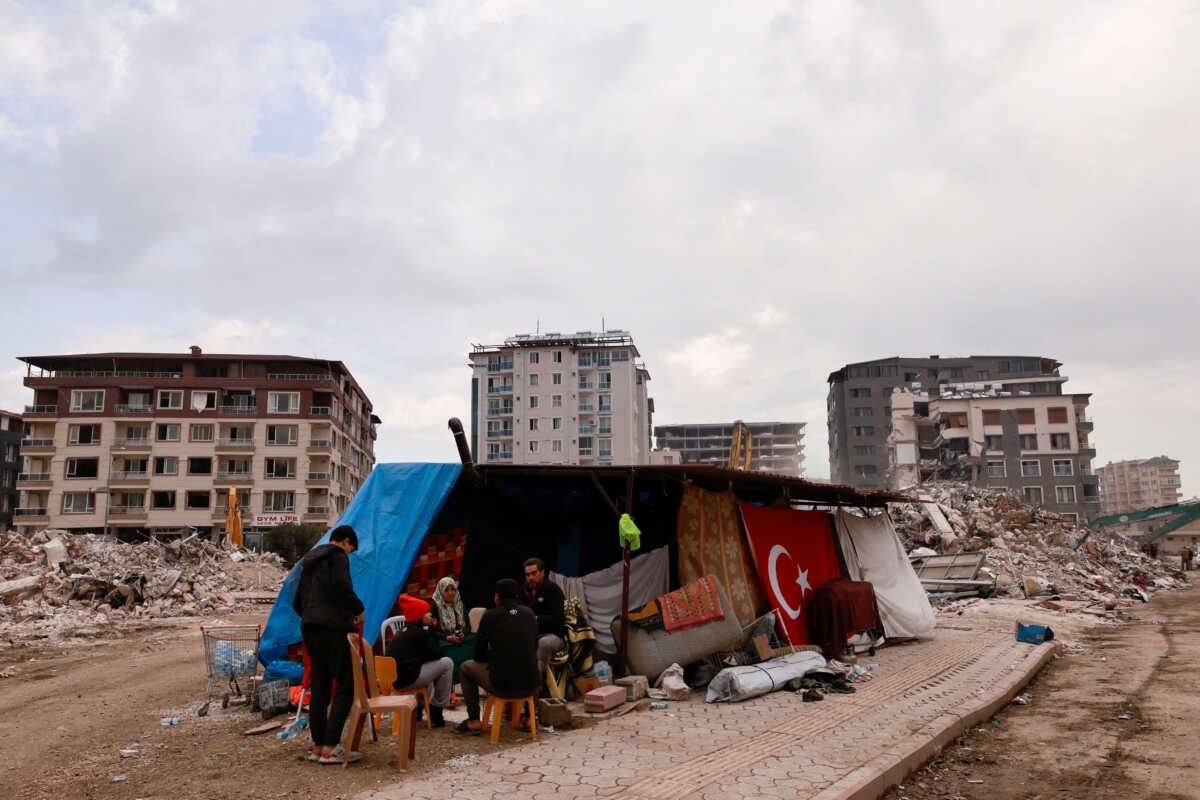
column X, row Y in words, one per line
column 694, row 604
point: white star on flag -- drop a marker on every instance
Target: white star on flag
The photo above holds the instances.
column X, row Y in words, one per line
column 802, row 580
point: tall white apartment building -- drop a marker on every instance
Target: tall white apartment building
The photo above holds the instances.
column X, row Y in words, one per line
column 578, row 398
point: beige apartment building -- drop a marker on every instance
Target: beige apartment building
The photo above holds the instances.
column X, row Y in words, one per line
column 579, row 398
column 1037, row 445
column 1139, row 483
column 156, row 441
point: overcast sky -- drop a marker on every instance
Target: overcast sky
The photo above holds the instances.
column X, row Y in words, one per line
column 760, row 193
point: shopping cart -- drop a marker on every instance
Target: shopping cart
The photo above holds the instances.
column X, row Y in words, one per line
column 230, row 652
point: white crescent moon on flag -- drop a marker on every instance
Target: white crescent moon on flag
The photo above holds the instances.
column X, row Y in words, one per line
column 778, row 549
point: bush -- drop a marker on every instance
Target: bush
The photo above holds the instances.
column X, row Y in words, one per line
column 291, row 542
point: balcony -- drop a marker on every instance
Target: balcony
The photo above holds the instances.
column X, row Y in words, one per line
column 30, row 514
column 25, row 479
column 300, row 376
column 132, row 443
column 586, row 406
column 500, row 366
column 506, row 411
column 605, row 386
column 586, row 429
column 584, row 383
column 505, row 389
column 36, row 445
column 585, row 451
column 603, row 409
column 319, row 444
column 501, row 456
column 506, row 433
column 225, row 443
column 130, row 476
column 235, row 476
column 317, row 511
column 41, row 411
column 129, row 512
column 321, row 411
column 238, row 410
column 126, row 408
column 281, row 442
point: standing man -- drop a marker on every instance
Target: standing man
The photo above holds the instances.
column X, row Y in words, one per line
column 504, row 663
column 419, row 662
column 329, row 609
column 547, row 601
column 1186, row 557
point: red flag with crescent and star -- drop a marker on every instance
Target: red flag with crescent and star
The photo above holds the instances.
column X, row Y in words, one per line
column 795, row 555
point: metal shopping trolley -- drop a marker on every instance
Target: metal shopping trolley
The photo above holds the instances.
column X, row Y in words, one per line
column 230, row 652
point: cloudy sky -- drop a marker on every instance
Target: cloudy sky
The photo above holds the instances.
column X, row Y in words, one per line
column 760, row 192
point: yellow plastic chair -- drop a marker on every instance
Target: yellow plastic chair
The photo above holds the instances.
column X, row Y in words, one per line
column 368, row 701
column 385, row 668
column 494, row 708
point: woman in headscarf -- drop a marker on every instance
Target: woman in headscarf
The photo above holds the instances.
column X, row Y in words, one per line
column 452, row 623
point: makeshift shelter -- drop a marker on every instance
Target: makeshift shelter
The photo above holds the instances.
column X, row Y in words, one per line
column 416, row 522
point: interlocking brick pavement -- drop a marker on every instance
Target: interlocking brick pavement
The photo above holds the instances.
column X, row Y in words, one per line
column 770, row 747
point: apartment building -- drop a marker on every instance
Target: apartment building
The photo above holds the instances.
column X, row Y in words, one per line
column 554, row 398
column 1139, row 483
column 774, row 446
column 155, row 441
column 1036, row 445
column 858, row 405
column 10, row 465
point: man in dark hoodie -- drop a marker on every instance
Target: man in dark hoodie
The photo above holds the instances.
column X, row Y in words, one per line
column 329, row 609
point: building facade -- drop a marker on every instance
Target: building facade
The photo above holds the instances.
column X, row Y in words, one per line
column 774, row 446
column 557, row 398
column 10, row 465
column 858, row 405
column 1137, row 484
column 1035, row 445
column 155, row 441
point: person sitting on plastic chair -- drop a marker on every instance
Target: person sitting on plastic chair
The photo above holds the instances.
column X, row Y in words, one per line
column 419, row 662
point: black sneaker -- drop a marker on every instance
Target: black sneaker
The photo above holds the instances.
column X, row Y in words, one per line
column 436, row 718
column 463, row 729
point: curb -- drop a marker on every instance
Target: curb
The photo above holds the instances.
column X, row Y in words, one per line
column 871, row 780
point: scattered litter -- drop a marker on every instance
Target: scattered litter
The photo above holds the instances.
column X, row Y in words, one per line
column 118, row 779
column 1020, row 700
column 466, row 760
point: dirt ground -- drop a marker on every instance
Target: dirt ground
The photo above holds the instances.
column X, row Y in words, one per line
column 1118, row 720
column 66, row 715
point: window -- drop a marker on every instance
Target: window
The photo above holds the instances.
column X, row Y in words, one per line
column 1063, row 466
column 620, row 355
column 201, row 433
column 606, row 448
column 209, row 398
column 911, row 377
column 556, row 401
column 585, row 359
column 605, row 426
column 1025, row 416
column 197, row 500
column 605, row 403
column 992, row 443
column 603, row 359
column 535, row 358
column 1031, row 469
column 1029, row 441
column 533, row 424
column 281, row 434
column 78, row 503
column 137, row 433
column 533, row 401
column 87, row 400
column 280, row 467
column 241, row 434
column 1060, row 441
column 558, row 356
column 164, row 465
column 864, row 449
column 1064, row 494
column 863, row 470
column 533, row 447
column 956, row 372
column 84, row 434
column 279, row 501
column 556, row 379
column 556, row 446
column 585, row 445
column 864, row 411
column 1006, row 366
column 864, row 430
column 135, row 466
column 199, row 466
column 533, row 380
column 992, row 417
column 82, row 467
column 1033, row 494
column 167, row 432
column 605, row 384
column 995, row 469
column 493, row 451
column 668, row 459
column 556, row 423
column 170, row 398
column 982, row 374
column 1056, row 415
column 162, row 499
column 283, row 402
column 858, row 394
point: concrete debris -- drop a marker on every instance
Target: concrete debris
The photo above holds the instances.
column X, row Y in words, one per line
column 59, row 586
column 1032, row 552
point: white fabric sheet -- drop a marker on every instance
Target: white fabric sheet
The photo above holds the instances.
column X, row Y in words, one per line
column 742, row 683
column 873, row 553
column 649, row 578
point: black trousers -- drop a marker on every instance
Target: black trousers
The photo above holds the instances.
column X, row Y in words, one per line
column 329, row 653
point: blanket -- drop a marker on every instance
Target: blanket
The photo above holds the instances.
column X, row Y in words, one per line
column 694, row 604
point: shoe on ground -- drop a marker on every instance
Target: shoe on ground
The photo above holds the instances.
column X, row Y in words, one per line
column 336, row 756
column 437, row 716
column 467, row 731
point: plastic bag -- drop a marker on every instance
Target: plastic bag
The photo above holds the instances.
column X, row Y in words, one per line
column 231, row 660
column 282, row 669
column 672, row 684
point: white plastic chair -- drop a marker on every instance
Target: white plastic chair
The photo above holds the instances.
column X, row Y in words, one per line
column 393, row 625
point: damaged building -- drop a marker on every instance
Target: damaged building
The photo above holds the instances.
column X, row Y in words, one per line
column 1034, row 445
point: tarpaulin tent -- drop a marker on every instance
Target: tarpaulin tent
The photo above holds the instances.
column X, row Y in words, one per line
column 391, row 514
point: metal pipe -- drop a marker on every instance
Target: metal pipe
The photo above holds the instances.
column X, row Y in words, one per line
column 464, row 451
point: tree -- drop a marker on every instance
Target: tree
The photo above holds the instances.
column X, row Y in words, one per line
column 291, row 542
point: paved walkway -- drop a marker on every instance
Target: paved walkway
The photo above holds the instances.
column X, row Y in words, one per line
column 770, row 747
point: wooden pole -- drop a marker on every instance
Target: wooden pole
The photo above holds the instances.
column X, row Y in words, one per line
column 624, row 665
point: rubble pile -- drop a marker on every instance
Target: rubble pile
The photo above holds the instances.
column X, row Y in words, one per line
column 1032, row 552
column 56, row 585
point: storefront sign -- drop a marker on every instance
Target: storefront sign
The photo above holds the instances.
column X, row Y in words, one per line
column 271, row 520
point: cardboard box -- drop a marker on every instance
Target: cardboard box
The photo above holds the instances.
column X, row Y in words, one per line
column 605, row 698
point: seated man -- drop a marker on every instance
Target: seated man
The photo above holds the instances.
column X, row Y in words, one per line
column 419, row 662
column 505, row 662
column 546, row 600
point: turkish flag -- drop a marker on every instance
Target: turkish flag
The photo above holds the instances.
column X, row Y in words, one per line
column 795, row 554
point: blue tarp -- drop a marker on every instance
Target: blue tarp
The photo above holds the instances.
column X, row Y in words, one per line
column 391, row 514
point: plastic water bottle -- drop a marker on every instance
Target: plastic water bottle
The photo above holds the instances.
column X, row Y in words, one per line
column 658, row 706
column 167, row 722
column 295, row 729
column 603, row 673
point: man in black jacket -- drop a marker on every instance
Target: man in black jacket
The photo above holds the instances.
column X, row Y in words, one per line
column 546, row 601
column 505, row 662
column 329, row 609
column 419, row 662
